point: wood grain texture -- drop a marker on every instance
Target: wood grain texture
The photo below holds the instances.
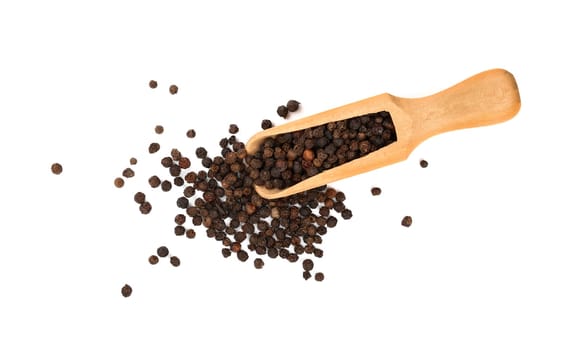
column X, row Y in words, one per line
column 487, row 98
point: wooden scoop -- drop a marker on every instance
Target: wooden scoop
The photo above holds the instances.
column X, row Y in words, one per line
column 487, row 98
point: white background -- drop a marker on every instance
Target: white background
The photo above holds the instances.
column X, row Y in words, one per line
column 491, row 261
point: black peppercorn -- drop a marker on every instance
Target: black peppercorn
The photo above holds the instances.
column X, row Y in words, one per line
column 128, row 173
column 406, row 221
column 56, row 168
column 182, row 202
column 292, row 105
column 282, row 111
column 145, row 208
column 191, row 133
column 154, row 147
column 319, row 276
column 308, row 264
column 162, row 251
column 119, row 182
column 423, row 163
column 139, row 197
column 175, row 261
column 165, row 186
column 173, row 89
column 258, row 263
column 126, row 290
column 152, row 84
column 233, row 129
column 242, row 255
column 266, row 124
column 153, row 259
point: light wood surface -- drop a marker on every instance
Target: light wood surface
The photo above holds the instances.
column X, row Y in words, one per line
column 487, row 98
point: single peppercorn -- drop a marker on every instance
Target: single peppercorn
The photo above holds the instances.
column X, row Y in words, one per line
column 153, row 259
column 191, row 234
column 191, row 133
column 306, row 275
column 126, row 290
column 183, row 202
column 201, row 152
column 152, row 84
column 406, row 221
column 346, row 214
column 375, row 191
column 423, row 163
column 319, row 276
column 145, row 208
column 282, row 111
column 292, row 105
column 266, row 124
column 242, row 255
column 175, row 261
column 166, row 186
column 173, row 89
column 258, row 263
column 159, row 129
column 132, row 161
column 154, row 147
column 233, row 129
column 119, row 182
column 308, row 264
column 139, row 197
column 178, row 181
column 226, row 252
column 128, row 173
column 56, row 168
column 162, row 251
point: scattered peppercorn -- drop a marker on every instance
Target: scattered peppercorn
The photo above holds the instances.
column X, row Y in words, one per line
column 233, row 129
column 139, row 197
column 376, row 191
column 242, row 255
column 183, row 202
column 132, row 161
column 226, row 252
column 308, row 264
column 282, row 111
column 154, row 147
column 173, row 89
column 128, row 173
column 175, row 261
column 406, row 221
column 319, row 276
column 56, row 168
column 152, row 84
column 258, row 263
column 126, row 290
column 154, row 181
column 292, row 105
column 159, row 129
column 162, row 251
column 191, row 133
column 190, row 233
column 145, row 208
column 119, row 182
column 153, row 259
column 266, row 124
column 423, row 163
column 166, row 186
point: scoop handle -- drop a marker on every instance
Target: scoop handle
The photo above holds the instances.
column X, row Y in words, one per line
column 487, row 98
